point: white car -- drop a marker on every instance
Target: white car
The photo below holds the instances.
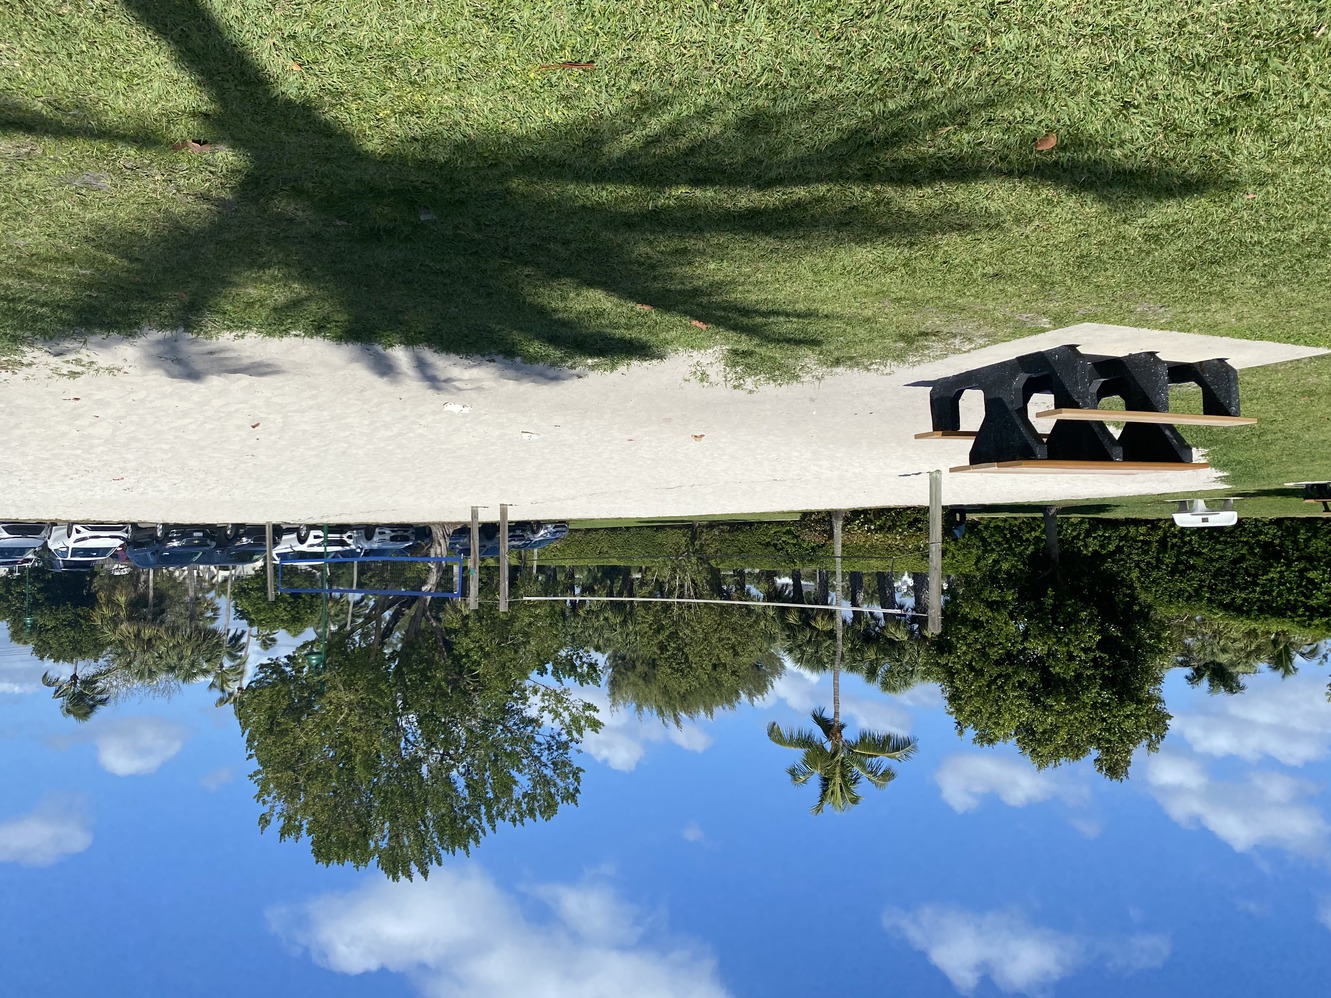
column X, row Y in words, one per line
column 80, row 545
column 18, row 542
column 306, row 543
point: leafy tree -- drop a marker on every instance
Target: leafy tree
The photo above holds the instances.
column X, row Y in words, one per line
column 62, row 604
column 1064, row 660
column 294, row 613
column 683, row 661
column 426, row 729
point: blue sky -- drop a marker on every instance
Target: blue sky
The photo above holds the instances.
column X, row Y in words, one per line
column 131, row 863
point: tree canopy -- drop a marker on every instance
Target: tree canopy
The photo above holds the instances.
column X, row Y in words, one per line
column 417, row 743
column 1063, row 662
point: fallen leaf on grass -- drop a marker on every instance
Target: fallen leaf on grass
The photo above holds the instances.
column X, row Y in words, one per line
column 1250, row 196
column 699, row 436
column 695, row 322
column 193, row 146
column 1046, row 142
column 296, row 67
column 645, row 308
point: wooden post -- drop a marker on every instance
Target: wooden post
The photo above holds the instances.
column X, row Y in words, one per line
column 268, row 536
column 837, row 516
column 503, row 557
column 474, row 591
column 935, row 601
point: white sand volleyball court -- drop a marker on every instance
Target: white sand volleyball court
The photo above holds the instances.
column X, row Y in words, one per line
column 170, row 428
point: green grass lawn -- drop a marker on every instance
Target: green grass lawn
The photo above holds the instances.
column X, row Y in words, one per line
column 817, row 182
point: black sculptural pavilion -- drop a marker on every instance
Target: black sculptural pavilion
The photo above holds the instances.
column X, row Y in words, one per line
column 1081, row 381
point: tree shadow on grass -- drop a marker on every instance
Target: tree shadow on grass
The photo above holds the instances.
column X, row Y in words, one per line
column 513, row 230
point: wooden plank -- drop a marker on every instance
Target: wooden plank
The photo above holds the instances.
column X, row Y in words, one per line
column 1139, row 416
column 1037, row 467
column 503, row 556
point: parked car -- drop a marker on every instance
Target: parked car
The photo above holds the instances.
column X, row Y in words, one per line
column 169, row 545
column 19, row 542
column 307, row 543
column 524, row 535
column 243, row 544
column 79, row 546
column 390, row 538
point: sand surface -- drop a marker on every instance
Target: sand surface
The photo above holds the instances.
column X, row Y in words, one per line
column 170, row 428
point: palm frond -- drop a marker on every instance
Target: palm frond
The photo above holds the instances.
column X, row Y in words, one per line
column 824, row 722
column 800, row 773
column 878, row 773
column 800, row 738
column 887, row 745
column 51, row 679
column 836, row 788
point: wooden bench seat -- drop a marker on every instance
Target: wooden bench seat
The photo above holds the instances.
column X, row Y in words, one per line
column 1139, row 416
column 1047, row 467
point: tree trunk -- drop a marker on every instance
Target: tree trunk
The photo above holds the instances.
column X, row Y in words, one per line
column 1051, row 549
column 887, row 590
column 796, row 586
column 822, row 587
column 856, row 588
column 836, row 684
column 919, row 583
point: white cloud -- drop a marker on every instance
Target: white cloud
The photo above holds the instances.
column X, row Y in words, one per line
column 926, row 696
column 57, row 827
column 965, row 779
column 458, row 935
column 136, row 746
column 217, row 778
column 693, row 832
column 1263, row 808
column 1289, row 721
column 802, row 691
column 20, row 676
column 621, row 742
column 1324, row 912
column 1017, row 956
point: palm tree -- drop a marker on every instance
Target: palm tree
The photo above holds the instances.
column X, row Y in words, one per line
column 79, row 699
column 839, row 762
